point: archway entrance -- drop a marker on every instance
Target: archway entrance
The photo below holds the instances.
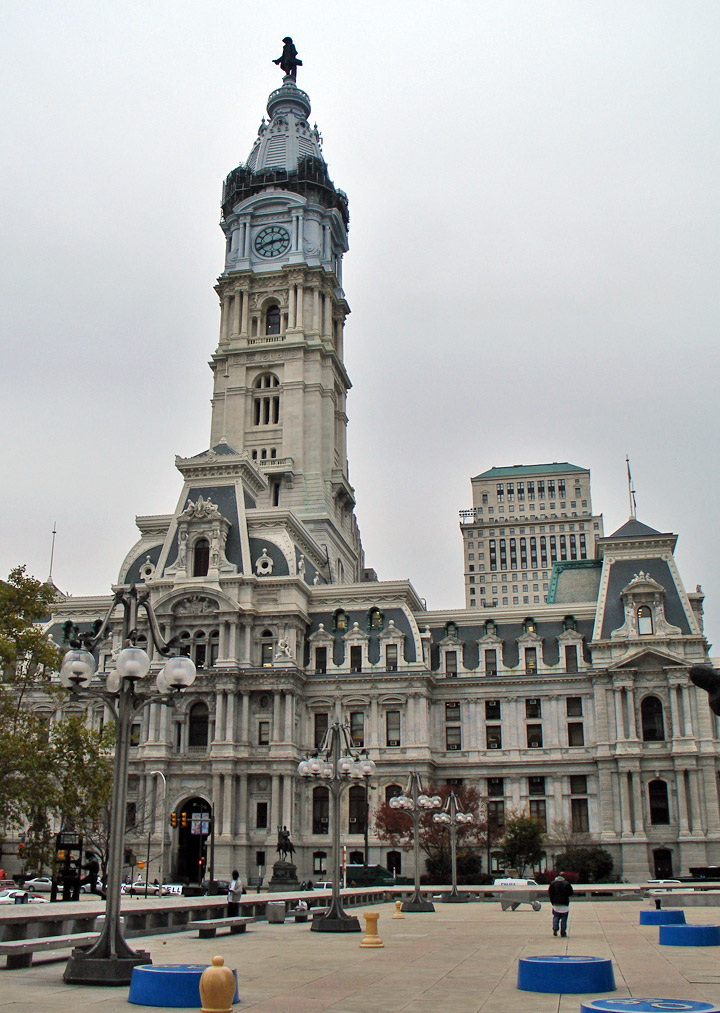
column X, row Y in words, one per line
column 662, row 858
column 194, row 828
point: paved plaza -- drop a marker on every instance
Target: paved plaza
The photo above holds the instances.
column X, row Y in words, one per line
column 461, row 959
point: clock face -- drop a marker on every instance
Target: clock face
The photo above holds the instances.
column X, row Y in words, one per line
column 272, row 241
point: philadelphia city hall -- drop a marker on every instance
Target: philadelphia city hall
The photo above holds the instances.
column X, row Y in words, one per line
column 561, row 689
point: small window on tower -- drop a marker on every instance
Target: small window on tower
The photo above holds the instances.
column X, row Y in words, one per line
column 272, row 320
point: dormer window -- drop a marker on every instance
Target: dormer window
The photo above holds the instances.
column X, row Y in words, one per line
column 340, row 620
column 201, row 558
column 529, row 626
column 644, row 621
column 375, row 619
column 451, row 630
column 569, row 623
column 490, row 628
column 272, row 320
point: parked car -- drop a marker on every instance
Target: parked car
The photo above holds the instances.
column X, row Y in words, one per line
column 39, row 883
column 514, row 882
column 325, row 885
column 8, row 897
column 85, row 888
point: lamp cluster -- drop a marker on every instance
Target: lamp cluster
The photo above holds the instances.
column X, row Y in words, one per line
column 350, row 767
column 132, row 664
column 423, row 801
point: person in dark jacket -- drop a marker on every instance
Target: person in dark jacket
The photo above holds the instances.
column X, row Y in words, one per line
column 560, row 892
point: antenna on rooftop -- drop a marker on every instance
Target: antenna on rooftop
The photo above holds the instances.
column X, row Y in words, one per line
column 631, row 491
column 52, row 550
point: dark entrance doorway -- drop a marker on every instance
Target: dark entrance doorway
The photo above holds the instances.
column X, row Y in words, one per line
column 194, row 827
column 662, row 858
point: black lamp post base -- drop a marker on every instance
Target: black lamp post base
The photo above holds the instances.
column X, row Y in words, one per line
column 456, row 898
column 417, row 905
column 331, row 923
column 83, row 970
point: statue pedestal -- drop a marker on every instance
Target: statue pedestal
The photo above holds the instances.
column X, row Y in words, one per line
column 284, row 877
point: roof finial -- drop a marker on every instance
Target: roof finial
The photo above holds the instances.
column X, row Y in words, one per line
column 52, row 551
column 631, row 491
column 289, row 60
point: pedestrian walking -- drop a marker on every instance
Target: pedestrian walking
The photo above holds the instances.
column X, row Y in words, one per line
column 235, row 890
column 560, row 892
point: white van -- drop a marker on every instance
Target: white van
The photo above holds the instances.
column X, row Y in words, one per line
column 514, row 882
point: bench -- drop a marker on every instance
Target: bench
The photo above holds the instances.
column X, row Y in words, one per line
column 19, row 951
column 209, row 926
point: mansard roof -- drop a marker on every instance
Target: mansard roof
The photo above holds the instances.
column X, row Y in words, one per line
column 556, row 468
column 633, row 528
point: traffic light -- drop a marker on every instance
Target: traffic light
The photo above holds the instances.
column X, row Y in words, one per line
column 183, row 819
column 173, row 819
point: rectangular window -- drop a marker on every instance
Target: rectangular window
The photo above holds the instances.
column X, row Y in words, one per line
column 534, row 736
column 453, row 740
column 578, row 784
column 491, row 662
column 266, row 655
column 574, row 707
column 531, row 659
column 135, row 733
column 321, row 811
column 583, row 547
column 392, row 728
column 451, row 665
column 536, row 785
column 531, row 490
column 576, row 735
column 551, row 490
column 357, row 728
column 500, row 492
column 261, row 815
column 391, row 657
column 356, row 659
column 130, row 814
column 493, row 736
column 263, row 733
column 496, row 787
column 541, row 490
column 492, row 710
column 571, row 658
column 579, row 815
column 537, row 810
column 321, row 660
column 321, row 727
column 452, row 711
column 532, row 708
column 496, row 815
column 521, row 490
column 259, row 858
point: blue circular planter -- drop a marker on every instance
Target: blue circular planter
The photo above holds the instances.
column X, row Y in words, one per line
column 633, row 1005
column 664, row 917
column 690, row 935
column 173, row 986
column 563, row 974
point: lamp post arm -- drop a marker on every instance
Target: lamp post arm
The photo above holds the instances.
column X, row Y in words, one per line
column 164, row 647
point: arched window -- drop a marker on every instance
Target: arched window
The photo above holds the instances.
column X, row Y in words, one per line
column 394, row 862
column 201, row 557
column 375, row 619
column 529, row 626
column 653, row 727
column 321, row 810
column 266, row 648
column 392, row 791
column 357, row 810
column 199, row 649
column 356, row 858
column 644, row 621
column 659, row 804
column 272, row 320
column 490, row 628
column 214, row 647
column 198, row 724
column 451, row 630
column 266, row 400
column 340, row 620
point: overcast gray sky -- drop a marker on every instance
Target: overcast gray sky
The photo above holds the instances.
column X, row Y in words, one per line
column 533, row 265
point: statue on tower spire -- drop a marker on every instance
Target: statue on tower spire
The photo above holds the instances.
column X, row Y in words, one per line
column 289, row 60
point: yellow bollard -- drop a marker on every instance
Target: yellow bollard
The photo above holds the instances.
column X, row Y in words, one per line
column 398, row 909
column 372, row 939
column 217, row 987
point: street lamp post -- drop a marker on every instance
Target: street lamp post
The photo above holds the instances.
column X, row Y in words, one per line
column 110, row 960
column 416, row 803
column 453, row 814
column 159, row 773
column 337, row 762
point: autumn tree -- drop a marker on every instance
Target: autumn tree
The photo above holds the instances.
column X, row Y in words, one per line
column 580, row 853
column 523, row 841
column 395, row 827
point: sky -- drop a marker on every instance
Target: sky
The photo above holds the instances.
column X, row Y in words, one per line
column 533, row 265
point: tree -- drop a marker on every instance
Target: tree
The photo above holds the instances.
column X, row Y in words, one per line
column 580, row 853
column 395, row 827
column 522, row 842
column 51, row 773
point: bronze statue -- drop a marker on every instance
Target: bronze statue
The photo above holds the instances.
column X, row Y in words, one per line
column 707, row 678
column 289, row 60
column 285, row 846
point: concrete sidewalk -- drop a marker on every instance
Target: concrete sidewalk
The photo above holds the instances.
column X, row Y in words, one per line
column 461, row 959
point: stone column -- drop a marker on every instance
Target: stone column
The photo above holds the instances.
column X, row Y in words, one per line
column 374, row 730
column 241, row 820
column 275, row 736
column 619, row 720
column 236, row 312
column 230, row 717
column 638, row 795
column 275, row 812
column 327, row 323
column 300, row 317
column 698, row 821
column 287, row 808
column 219, row 716
column 316, row 310
column 245, row 719
column 683, row 815
column 289, row 716
column 227, row 827
column 625, row 804
column 245, row 313
column 687, row 713
column 674, row 715
column 291, row 307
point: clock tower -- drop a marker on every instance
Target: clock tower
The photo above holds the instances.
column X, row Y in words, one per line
column 280, row 384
